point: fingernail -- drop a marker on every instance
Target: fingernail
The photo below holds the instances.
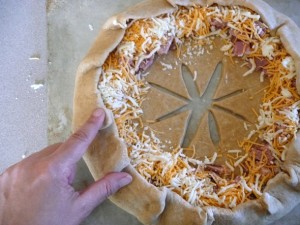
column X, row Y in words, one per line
column 98, row 112
column 125, row 180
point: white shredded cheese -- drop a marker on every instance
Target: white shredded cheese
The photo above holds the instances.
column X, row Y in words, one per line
column 226, row 48
column 195, row 75
column 240, row 160
column 253, row 67
column 286, row 93
column 166, row 66
column 245, row 126
column 268, row 48
column 262, row 77
column 244, row 184
column 229, row 166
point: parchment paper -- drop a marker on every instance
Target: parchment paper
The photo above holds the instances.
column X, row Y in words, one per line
column 72, row 27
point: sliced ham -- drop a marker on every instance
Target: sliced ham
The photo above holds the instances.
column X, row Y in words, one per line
column 241, row 48
column 245, row 168
column 237, row 179
column 164, row 49
column 146, row 63
column 220, row 170
column 294, row 83
column 233, row 34
column 280, row 126
column 261, row 28
column 260, row 63
column 264, row 171
column 259, row 150
column 218, row 24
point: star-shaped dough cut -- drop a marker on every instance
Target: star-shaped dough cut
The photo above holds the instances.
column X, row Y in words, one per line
column 202, row 100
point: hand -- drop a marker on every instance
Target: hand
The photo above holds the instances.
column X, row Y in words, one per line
column 38, row 191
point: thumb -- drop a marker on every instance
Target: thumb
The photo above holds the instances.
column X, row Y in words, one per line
column 100, row 190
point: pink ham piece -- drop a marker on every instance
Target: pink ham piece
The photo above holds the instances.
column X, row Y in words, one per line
column 294, row 83
column 259, row 150
column 220, row 170
column 233, row 35
column 241, row 48
column 237, row 179
column 146, row 63
column 260, row 63
column 164, row 49
column 261, row 28
column 218, row 24
column 264, row 171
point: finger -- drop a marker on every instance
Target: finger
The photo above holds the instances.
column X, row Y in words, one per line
column 73, row 148
column 100, row 190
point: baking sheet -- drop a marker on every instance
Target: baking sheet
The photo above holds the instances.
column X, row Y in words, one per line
column 72, row 27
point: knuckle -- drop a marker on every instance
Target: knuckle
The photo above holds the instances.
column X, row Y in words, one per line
column 80, row 135
column 46, row 169
column 109, row 190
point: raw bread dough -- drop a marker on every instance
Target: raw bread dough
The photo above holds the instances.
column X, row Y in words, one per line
column 156, row 76
column 172, row 130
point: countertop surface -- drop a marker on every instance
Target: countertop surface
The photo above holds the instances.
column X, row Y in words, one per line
column 37, row 86
column 23, row 86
